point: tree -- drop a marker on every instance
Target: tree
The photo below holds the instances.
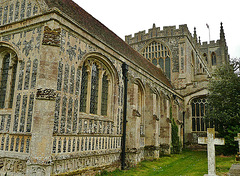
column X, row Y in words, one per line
column 224, row 105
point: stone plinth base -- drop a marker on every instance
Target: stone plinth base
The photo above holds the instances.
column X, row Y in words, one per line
column 134, row 156
column 234, row 170
column 151, row 152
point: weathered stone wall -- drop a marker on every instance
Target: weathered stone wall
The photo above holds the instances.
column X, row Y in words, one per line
column 45, row 132
column 191, row 64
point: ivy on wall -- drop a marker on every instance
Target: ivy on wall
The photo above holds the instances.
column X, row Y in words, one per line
column 176, row 146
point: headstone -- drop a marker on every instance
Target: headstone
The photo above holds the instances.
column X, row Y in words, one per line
column 234, row 170
column 238, row 139
column 211, row 141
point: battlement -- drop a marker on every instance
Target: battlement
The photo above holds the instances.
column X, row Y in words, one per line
column 157, row 32
column 168, row 31
column 212, row 43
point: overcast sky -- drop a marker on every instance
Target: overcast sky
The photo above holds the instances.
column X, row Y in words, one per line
column 125, row 17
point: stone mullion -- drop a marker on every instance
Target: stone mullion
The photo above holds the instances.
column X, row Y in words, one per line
column 101, row 72
column 89, row 90
column 110, row 92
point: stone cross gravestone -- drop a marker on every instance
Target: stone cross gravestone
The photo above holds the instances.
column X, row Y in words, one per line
column 211, row 141
column 238, row 139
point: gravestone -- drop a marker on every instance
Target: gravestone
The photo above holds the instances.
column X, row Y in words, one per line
column 211, row 141
column 238, row 139
column 235, row 168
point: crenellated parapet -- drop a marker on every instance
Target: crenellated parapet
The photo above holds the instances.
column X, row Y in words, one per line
column 212, row 43
column 168, row 31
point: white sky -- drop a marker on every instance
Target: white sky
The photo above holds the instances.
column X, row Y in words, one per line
column 125, row 17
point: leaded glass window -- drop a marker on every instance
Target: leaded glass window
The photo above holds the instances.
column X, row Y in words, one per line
column 199, row 123
column 84, row 87
column 159, row 54
column 104, row 95
column 4, row 79
column 8, row 71
column 94, row 89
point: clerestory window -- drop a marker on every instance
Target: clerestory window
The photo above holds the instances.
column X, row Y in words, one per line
column 8, row 71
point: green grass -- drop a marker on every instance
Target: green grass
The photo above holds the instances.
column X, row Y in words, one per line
column 188, row 163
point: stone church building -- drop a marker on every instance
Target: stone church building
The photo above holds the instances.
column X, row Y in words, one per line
column 73, row 94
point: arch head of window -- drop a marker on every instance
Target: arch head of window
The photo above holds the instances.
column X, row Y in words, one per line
column 160, row 55
column 8, row 72
column 98, row 78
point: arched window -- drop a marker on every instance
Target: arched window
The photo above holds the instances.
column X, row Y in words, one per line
column 95, row 88
column 140, row 100
column 159, row 54
column 8, row 70
column 198, row 112
column 214, row 59
column 139, row 95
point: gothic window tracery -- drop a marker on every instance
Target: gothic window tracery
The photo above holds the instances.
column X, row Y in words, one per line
column 8, row 71
column 199, row 123
column 95, row 85
column 159, row 54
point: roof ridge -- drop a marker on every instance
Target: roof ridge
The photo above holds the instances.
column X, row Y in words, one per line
column 103, row 33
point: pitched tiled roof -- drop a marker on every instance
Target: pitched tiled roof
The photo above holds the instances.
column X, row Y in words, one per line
column 100, row 31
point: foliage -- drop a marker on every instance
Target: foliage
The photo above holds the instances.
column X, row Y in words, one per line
column 224, row 106
column 188, row 163
column 176, row 143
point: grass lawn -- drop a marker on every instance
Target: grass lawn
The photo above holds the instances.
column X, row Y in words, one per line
column 188, row 163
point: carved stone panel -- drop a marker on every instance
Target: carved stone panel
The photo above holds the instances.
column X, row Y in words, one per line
column 46, row 94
